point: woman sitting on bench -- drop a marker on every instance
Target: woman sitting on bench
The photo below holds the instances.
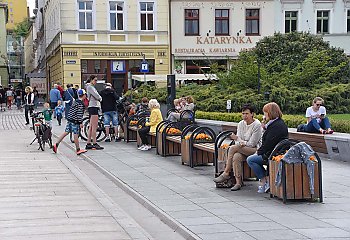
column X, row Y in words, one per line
column 187, row 104
column 276, row 131
column 317, row 122
column 151, row 125
column 247, row 140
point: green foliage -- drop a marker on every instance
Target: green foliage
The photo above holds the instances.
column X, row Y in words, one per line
column 292, row 121
column 22, row 28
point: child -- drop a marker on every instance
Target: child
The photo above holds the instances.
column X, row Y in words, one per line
column 59, row 109
column 47, row 112
column 74, row 122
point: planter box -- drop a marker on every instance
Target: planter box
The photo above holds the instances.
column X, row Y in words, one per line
column 295, row 182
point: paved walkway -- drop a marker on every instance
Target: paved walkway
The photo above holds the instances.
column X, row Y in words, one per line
column 44, row 196
column 187, row 198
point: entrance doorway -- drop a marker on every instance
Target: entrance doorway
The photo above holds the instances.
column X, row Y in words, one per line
column 118, row 81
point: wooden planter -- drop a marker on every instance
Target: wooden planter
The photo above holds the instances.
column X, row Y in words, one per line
column 131, row 134
column 295, row 182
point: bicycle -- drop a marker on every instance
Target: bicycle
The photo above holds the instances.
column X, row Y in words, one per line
column 41, row 130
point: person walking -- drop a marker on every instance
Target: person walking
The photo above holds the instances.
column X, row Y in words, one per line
column 74, row 122
column 94, row 106
column 36, row 97
column 29, row 103
column 59, row 109
column 18, row 93
column 55, row 95
column 9, row 96
column 109, row 110
column 68, row 97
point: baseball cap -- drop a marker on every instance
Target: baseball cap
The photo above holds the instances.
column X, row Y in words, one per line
column 81, row 92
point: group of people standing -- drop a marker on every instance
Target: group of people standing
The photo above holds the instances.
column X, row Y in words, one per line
column 255, row 140
column 10, row 96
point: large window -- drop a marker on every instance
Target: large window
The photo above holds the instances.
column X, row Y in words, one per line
column 191, row 22
column 348, row 22
column 116, row 15
column 322, row 22
column 147, row 15
column 291, row 21
column 85, row 14
column 222, row 22
column 252, row 21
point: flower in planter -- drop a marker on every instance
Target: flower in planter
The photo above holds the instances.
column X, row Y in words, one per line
column 133, row 122
column 224, row 146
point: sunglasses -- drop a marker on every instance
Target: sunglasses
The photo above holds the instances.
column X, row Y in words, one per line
column 318, row 105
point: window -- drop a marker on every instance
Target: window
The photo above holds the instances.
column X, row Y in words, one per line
column 191, row 22
column 116, row 15
column 252, row 22
column 322, row 22
column 291, row 20
column 348, row 22
column 85, row 14
column 147, row 12
column 221, row 22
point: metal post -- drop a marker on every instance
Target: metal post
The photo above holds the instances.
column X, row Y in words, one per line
column 144, row 74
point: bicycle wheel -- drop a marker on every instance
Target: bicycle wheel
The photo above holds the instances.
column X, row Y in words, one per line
column 84, row 132
column 101, row 132
column 39, row 137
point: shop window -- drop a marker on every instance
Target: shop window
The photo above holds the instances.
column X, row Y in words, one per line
column 252, row 21
column 291, row 21
column 116, row 13
column 322, row 22
column 134, row 66
column 97, row 66
column 84, row 66
column 85, row 14
column 147, row 15
column 204, row 66
column 348, row 22
column 191, row 22
column 222, row 22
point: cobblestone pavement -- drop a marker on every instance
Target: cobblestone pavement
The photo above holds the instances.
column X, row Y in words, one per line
column 45, row 196
column 188, row 199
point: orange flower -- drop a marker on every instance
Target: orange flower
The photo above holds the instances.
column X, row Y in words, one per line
column 224, row 146
column 277, row 158
column 133, row 122
column 313, row 158
column 173, row 131
column 187, row 137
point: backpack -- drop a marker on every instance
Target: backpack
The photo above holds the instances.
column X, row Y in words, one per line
column 86, row 102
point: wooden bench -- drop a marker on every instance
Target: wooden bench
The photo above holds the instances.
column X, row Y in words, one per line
column 195, row 151
column 130, row 130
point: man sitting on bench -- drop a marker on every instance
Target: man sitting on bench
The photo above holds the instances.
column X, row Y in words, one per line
column 247, row 140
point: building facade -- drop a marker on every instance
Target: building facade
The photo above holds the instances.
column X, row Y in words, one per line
column 105, row 38
column 17, row 12
column 207, row 32
column 327, row 18
column 3, row 50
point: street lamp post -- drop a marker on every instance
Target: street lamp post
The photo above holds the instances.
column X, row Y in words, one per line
column 258, row 77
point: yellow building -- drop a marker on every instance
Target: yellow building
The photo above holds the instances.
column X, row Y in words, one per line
column 17, row 10
column 3, row 55
column 108, row 39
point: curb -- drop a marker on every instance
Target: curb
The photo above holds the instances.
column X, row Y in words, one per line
column 164, row 217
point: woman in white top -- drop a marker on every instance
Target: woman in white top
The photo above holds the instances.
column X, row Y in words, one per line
column 247, row 140
column 317, row 122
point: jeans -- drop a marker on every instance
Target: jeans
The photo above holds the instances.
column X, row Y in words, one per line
column 59, row 118
column 255, row 162
column 314, row 127
column 28, row 110
column 109, row 117
column 143, row 134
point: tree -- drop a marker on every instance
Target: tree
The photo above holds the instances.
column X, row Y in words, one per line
column 22, row 28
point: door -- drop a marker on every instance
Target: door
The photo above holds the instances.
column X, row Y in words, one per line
column 118, row 81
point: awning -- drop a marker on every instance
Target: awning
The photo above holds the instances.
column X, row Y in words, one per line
column 36, row 75
column 178, row 77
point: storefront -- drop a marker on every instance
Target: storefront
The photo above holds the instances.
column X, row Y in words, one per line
column 213, row 32
column 111, row 64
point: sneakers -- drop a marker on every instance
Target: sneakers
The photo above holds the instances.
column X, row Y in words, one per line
column 118, row 139
column 140, row 147
column 108, row 140
column 81, row 151
column 97, row 147
column 146, row 148
column 89, row 146
column 264, row 188
column 236, row 187
column 54, row 148
column 223, row 177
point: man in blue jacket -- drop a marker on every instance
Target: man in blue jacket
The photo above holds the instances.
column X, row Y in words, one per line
column 55, row 95
column 68, row 97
